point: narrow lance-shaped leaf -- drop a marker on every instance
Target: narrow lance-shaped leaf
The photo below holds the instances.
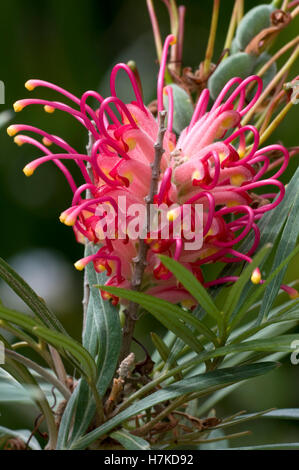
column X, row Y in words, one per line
column 56, row 339
column 130, row 442
column 27, row 294
column 164, row 352
column 260, row 289
column 193, row 286
column 199, row 383
column 235, row 291
column 286, row 245
column 102, row 338
column 169, row 315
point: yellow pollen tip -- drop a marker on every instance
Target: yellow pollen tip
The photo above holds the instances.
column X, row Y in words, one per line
column 241, row 153
column 232, row 203
column 62, row 217
column 11, row 131
column 256, row 276
column 131, row 143
column 18, row 140
column 29, row 85
column 47, row 142
column 28, row 170
column 196, row 175
column 69, row 221
column 237, row 180
column 222, row 157
column 187, row 303
column 18, row 107
column 172, row 215
column 173, row 42
column 79, row 265
column 101, row 268
column 294, row 296
column 49, row 109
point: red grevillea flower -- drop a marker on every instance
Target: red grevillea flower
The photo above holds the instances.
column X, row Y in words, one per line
column 209, row 163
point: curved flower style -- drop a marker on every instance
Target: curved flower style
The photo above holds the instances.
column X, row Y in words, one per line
column 209, row 163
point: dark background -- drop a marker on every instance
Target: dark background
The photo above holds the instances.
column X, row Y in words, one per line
column 75, row 44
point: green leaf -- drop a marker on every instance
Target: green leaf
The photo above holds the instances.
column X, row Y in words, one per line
column 105, row 325
column 130, row 442
column 182, row 108
column 56, row 339
column 24, row 377
column 283, row 446
column 283, row 413
column 239, row 64
column 255, row 20
column 5, row 116
column 102, row 338
column 193, row 286
column 202, row 383
column 68, row 415
column 164, row 352
column 34, row 302
column 286, row 246
column 23, row 434
column 171, row 316
column 270, row 227
column 216, row 445
column 259, row 290
column 276, row 344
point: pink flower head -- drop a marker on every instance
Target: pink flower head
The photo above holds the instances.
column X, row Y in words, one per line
column 208, row 163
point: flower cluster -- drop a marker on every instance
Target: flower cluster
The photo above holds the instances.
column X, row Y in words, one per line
column 215, row 161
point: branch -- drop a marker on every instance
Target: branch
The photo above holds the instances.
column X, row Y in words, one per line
column 140, row 260
column 86, row 288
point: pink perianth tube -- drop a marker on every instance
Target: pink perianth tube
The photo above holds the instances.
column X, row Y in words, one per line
column 241, row 89
column 132, row 78
column 94, row 162
column 164, row 184
column 216, row 171
column 211, row 201
column 54, row 139
column 262, row 183
column 57, row 141
column 170, row 38
column 228, row 210
column 80, row 190
column 263, row 169
column 66, row 156
column 62, row 107
column 168, row 90
column 280, row 148
column 100, row 99
column 240, row 132
column 62, row 91
column 221, row 280
column 61, row 166
column 122, row 106
column 201, row 107
column 178, row 248
column 89, row 202
column 225, row 90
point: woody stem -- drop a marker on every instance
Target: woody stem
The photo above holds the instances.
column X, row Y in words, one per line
column 140, row 261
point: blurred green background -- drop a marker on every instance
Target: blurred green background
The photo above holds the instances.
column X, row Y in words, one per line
column 75, row 44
